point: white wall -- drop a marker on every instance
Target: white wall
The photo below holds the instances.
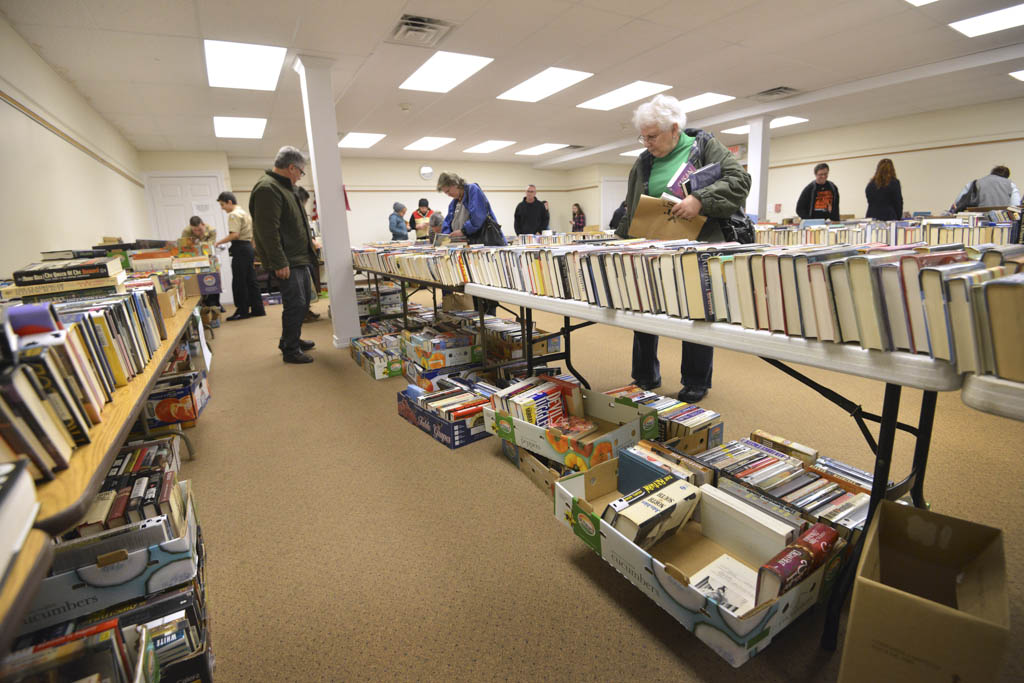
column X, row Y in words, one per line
column 373, row 185
column 55, row 195
column 935, row 155
column 165, row 162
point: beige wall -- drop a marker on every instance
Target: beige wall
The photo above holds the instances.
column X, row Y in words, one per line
column 55, row 195
column 167, row 162
column 373, row 185
column 935, row 155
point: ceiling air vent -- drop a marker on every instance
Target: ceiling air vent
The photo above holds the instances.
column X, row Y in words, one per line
column 419, row 31
column 775, row 93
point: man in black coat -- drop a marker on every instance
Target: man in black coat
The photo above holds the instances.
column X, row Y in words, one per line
column 531, row 216
column 820, row 199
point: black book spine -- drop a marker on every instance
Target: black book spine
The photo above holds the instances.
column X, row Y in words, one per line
column 705, row 284
column 61, row 402
column 72, row 274
column 23, row 411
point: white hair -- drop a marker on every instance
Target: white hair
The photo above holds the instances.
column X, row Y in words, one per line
column 662, row 111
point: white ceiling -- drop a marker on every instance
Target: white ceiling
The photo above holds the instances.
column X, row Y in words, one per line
column 141, row 64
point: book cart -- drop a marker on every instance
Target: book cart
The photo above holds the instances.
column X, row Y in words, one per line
column 66, row 498
column 895, row 369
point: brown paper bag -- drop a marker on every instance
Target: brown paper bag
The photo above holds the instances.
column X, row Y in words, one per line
column 654, row 221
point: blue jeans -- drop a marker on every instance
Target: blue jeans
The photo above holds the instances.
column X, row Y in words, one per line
column 695, row 369
column 295, row 295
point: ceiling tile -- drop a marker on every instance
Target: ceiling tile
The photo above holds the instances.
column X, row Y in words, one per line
column 246, row 21
column 48, row 13
column 165, row 17
column 350, row 28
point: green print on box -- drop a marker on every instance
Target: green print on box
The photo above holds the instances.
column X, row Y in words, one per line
column 586, row 526
column 504, row 427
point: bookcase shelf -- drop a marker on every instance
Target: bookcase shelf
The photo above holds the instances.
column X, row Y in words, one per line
column 66, row 499
column 991, row 394
column 22, row 582
column 896, row 367
column 430, row 284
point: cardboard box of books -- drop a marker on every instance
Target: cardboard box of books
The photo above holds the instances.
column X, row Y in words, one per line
column 432, row 349
column 427, row 378
column 929, row 600
column 381, row 364
column 453, row 434
column 199, row 284
column 701, row 570
column 177, row 398
column 116, row 566
column 613, row 425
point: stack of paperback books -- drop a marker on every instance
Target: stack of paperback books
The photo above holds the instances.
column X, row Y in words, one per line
column 676, row 418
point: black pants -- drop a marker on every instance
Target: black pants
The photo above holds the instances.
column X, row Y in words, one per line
column 695, row 369
column 488, row 306
column 248, row 300
column 295, row 294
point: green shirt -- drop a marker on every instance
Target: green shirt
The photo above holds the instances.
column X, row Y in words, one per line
column 664, row 168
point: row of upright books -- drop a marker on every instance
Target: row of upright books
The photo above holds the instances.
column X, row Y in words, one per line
column 969, row 228
column 908, row 298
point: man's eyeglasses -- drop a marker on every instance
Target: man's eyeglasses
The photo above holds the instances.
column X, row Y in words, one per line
column 302, row 171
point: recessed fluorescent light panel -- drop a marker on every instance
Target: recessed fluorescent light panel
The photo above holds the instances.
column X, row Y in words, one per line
column 633, row 153
column 708, row 99
column 238, row 127
column 1000, row 20
column 546, row 83
column 243, row 65
column 780, row 122
column 541, row 149
column 637, row 90
column 1019, row 75
column 490, row 146
column 443, row 71
column 428, row 144
column 361, row 140
column 918, row 3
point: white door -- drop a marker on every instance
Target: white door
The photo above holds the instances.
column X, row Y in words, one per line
column 613, row 193
column 174, row 198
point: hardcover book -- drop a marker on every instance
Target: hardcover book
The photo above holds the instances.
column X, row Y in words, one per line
column 653, row 511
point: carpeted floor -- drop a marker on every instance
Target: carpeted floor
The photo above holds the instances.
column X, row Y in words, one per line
column 345, row 544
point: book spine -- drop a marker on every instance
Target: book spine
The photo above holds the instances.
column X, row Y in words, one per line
column 56, row 398
column 705, row 285
column 35, row 277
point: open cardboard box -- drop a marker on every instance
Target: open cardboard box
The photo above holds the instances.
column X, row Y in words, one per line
column 618, row 425
column 663, row 573
column 929, row 600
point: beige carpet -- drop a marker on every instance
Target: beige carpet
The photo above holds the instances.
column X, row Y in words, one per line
column 345, row 544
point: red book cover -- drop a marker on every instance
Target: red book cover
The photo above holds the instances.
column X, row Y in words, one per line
column 77, row 635
column 115, row 517
column 760, row 464
column 818, row 541
column 782, row 572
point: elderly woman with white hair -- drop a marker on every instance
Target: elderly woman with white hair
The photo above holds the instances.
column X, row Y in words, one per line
column 669, row 144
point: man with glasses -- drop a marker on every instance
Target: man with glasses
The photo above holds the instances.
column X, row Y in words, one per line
column 283, row 243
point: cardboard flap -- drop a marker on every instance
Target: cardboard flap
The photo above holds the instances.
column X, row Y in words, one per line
column 682, row 578
column 601, row 480
column 653, row 220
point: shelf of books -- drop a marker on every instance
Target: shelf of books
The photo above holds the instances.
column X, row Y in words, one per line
column 66, row 498
column 906, row 369
column 416, row 281
column 22, row 581
column 991, row 394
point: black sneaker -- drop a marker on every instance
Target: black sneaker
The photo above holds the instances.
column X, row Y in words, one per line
column 648, row 386
column 306, row 344
column 297, row 358
column 692, row 394
column 237, row 316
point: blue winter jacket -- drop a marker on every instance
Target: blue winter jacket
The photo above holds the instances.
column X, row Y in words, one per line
column 479, row 208
column 399, row 229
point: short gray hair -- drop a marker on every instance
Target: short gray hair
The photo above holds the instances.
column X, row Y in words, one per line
column 436, row 219
column 449, row 180
column 288, row 155
column 662, row 111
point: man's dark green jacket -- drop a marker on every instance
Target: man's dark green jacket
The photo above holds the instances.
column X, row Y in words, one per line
column 279, row 225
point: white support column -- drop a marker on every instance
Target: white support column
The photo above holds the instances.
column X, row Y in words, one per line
column 322, row 134
column 757, row 166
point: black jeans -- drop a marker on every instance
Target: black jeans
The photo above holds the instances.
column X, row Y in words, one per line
column 695, row 369
column 295, row 293
column 248, row 300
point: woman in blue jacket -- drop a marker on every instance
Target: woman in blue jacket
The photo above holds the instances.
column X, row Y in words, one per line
column 468, row 209
column 396, row 222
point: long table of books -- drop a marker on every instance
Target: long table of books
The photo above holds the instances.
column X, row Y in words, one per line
column 65, row 498
column 994, row 395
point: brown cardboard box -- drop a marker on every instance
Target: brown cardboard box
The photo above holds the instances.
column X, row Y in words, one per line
column 929, row 601
column 540, row 474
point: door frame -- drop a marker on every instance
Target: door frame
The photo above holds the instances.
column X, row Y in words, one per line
column 151, row 205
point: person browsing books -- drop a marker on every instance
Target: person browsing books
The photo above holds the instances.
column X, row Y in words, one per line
column 283, row 243
column 420, row 219
column 314, row 270
column 884, row 194
column 198, row 234
column 579, row 219
column 617, row 216
column 531, row 214
column 248, row 300
column 396, row 222
column 820, row 199
column 669, row 144
column 995, row 189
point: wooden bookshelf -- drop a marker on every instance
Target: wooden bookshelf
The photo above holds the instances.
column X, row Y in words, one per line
column 66, row 499
column 22, row 582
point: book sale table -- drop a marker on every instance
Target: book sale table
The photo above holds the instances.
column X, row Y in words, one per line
column 895, row 369
column 66, row 498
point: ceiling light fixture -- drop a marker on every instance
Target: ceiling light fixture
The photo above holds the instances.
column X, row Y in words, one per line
column 443, row 71
column 780, row 122
column 490, row 146
column 918, row 3
column 1000, row 20
column 637, row 90
column 541, row 149
column 546, row 83
column 243, row 65
column 1019, row 75
column 428, row 144
column 708, row 99
column 360, row 140
column 238, row 127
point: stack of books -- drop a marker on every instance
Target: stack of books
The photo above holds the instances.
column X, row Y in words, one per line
column 67, row 280
column 676, row 418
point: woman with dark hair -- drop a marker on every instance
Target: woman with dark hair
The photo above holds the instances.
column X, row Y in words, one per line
column 885, row 196
column 579, row 219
